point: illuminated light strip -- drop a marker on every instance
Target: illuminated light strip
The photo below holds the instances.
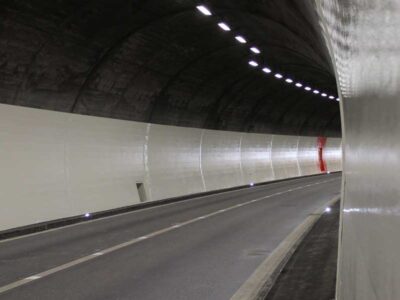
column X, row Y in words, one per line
column 241, row 39
column 224, row 26
column 206, row 11
column 266, row 70
column 253, row 63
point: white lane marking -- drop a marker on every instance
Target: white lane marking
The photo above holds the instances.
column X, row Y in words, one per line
column 294, row 180
column 34, row 277
column 97, row 253
column 127, row 244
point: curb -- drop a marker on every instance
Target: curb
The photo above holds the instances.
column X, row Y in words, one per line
column 261, row 281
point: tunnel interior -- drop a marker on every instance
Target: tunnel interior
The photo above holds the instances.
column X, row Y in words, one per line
column 114, row 106
column 168, row 63
column 220, row 72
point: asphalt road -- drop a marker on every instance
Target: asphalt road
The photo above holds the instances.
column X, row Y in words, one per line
column 203, row 248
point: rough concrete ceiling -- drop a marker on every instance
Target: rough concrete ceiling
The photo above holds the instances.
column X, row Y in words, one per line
column 163, row 62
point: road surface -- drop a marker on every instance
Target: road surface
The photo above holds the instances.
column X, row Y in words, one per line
column 201, row 248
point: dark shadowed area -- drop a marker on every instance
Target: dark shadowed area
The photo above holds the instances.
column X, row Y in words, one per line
column 164, row 62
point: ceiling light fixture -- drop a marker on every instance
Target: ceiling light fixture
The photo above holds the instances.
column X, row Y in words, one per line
column 207, row 12
column 266, row 70
column 204, row 10
column 253, row 63
column 224, row 26
column 241, row 39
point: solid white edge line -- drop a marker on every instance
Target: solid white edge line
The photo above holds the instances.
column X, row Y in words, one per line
column 261, row 281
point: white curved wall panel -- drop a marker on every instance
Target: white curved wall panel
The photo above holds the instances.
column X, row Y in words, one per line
column 308, row 156
column 56, row 165
column 102, row 163
column 363, row 38
column 284, row 156
column 32, row 169
column 333, row 154
column 220, row 159
column 173, row 162
column 256, row 158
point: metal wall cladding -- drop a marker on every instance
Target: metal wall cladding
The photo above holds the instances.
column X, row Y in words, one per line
column 333, row 154
column 56, row 165
column 256, row 158
column 364, row 40
column 101, row 163
column 308, row 156
column 220, row 159
column 173, row 162
column 284, row 156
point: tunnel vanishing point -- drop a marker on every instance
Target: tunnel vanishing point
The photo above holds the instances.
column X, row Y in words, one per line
column 118, row 109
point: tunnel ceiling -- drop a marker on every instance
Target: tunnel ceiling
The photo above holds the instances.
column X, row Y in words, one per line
column 164, row 62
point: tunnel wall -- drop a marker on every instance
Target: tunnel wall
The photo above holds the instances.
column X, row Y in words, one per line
column 56, row 165
column 308, row 161
column 363, row 37
column 332, row 156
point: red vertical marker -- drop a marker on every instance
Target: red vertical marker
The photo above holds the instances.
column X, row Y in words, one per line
column 321, row 142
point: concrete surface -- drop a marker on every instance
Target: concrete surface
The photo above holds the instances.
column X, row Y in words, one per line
column 165, row 63
column 206, row 259
column 311, row 272
column 260, row 283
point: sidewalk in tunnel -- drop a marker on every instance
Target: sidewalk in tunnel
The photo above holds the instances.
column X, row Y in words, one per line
column 310, row 274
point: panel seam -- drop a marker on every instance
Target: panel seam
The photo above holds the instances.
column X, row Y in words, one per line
column 201, row 161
